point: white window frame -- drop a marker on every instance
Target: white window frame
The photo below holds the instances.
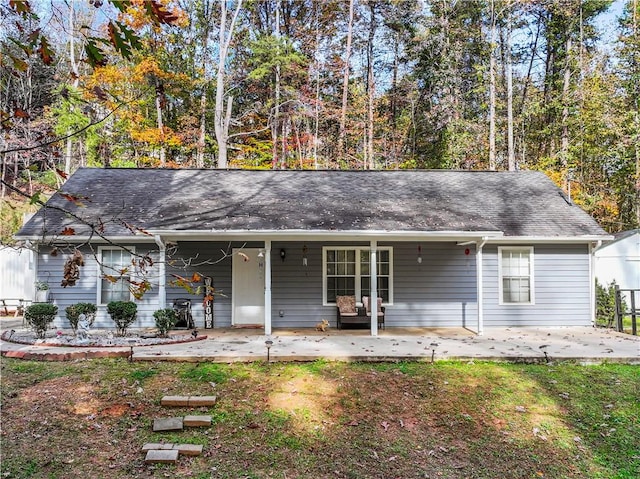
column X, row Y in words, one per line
column 358, row 276
column 101, row 250
column 532, row 289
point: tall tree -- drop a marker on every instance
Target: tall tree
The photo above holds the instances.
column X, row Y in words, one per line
column 224, row 105
column 345, row 82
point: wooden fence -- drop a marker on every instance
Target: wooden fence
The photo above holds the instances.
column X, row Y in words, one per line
column 623, row 309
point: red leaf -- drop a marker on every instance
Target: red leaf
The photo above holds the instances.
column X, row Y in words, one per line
column 20, row 6
column 19, row 113
column 73, row 199
column 45, row 51
column 68, row 231
column 158, row 14
column 99, row 93
column 33, row 36
column 62, row 173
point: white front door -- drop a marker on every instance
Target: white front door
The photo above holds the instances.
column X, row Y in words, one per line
column 247, row 287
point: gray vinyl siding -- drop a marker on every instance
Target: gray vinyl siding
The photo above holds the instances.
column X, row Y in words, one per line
column 561, row 289
column 439, row 292
column 51, row 267
column 296, row 290
column 208, row 259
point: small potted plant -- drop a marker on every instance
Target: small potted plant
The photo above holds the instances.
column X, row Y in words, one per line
column 42, row 292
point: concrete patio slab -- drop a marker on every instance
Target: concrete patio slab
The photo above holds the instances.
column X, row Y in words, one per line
column 579, row 344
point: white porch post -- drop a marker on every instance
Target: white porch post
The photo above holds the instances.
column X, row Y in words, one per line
column 373, row 298
column 479, row 288
column 267, row 287
column 162, row 273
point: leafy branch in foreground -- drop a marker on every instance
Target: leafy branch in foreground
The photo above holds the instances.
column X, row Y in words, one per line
column 121, row 37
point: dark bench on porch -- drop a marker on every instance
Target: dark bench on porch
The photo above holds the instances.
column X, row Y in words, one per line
column 348, row 313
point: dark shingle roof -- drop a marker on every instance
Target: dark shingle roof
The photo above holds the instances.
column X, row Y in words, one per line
column 517, row 203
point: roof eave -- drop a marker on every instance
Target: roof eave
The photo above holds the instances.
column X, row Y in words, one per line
column 326, row 234
column 580, row 239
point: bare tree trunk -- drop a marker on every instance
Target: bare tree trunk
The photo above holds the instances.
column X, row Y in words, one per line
column 316, row 119
column 76, row 81
column 492, row 91
column 636, row 120
column 201, row 144
column 394, row 106
column 564, row 152
column 345, row 84
column 158, row 87
column 222, row 119
column 276, row 115
column 511, row 158
column 3, row 191
column 370, row 85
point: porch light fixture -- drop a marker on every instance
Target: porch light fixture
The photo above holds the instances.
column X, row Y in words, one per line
column 283, row 254
column 304, row 255
column 419, row 254
column 261, row 253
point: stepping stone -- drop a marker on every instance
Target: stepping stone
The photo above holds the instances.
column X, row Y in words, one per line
column 183, row 449
column 168, row 424
column 156, row 446
column 175, row 401
column 196, row 421
column 189, row 449
column 195, row 401
column 162, row 456
column 189, row 401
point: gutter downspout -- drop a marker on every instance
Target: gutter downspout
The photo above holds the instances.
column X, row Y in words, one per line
column 162, row 273
column 592, row 279
column 479, row 287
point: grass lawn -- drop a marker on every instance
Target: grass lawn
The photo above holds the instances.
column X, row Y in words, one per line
column 89, row 419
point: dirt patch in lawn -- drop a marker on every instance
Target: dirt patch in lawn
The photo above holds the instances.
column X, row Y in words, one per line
column 91, row 418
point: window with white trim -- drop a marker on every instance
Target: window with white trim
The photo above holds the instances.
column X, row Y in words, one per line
column 116, row 270
column 346, row 272
column 516, row 275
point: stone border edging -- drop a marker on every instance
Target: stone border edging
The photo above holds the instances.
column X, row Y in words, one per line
column 38, row 356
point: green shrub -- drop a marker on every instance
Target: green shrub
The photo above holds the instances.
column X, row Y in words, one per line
column 75, row 310
column 39, row 316
column 165, row 320
column 606, row 304
column 123, row 313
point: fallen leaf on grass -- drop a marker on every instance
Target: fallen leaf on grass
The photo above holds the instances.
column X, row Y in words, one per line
column 385, row 425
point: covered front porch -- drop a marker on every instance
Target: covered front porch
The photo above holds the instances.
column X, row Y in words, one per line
column 285, row 283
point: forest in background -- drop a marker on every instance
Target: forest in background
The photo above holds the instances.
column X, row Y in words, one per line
column 323, row 84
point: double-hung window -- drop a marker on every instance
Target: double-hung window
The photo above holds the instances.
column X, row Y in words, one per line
column 347, row 272
column 116, row 270
column 516, row 275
